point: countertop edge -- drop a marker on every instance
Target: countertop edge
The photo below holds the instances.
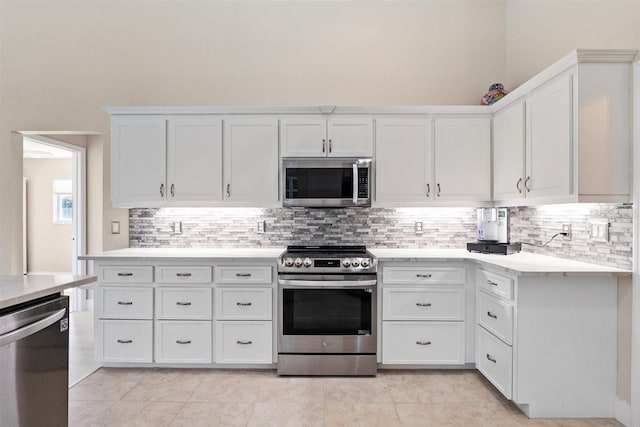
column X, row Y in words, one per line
column 44, row 292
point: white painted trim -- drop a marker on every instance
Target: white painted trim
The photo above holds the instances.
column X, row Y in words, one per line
column 635, row 327
column 622, row 411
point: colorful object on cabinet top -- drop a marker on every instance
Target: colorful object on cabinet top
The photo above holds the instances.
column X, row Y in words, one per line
column 496, row 91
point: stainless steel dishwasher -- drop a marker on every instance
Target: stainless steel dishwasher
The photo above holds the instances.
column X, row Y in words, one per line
column 34, row 363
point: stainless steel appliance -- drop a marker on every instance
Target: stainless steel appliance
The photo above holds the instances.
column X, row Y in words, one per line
column 34, row 363
column 334, row 182
column 327, row 311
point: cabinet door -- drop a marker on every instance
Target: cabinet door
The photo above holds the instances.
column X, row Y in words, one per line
column 463, row 159
column 549, row 139
column 350, row 137
column 303, row 137
column 194, row 162
column 251, row 161
column 138, row 161
column 508, row 153
column 403, row 161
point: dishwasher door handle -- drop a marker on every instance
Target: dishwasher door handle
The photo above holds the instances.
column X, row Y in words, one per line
column 32, row 328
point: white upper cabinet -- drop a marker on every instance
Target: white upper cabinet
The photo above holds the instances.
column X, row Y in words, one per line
column 403, row 161
column 138, row 160
column 251, row 161
column 194, row 161
column 318, row 137
column 508, row 152
column 462, row 152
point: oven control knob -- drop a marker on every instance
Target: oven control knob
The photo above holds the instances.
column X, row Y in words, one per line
column 298, row 262
column 307, row 262
column 365, row 262
column 288, row 262
column 355, row 262
column 346, row 262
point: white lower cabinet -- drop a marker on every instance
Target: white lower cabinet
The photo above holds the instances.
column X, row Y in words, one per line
column 495, row 361
column 125, row 302
column 243, row 303
column 125, row 341
column 244, row 342
column 183, row 341
column 437, row 343
column 183, row 303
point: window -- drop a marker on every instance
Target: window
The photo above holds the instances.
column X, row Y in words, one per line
column 62, row 202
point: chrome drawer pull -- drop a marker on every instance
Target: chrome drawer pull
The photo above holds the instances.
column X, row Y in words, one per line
column 423, row 342
column 426, row 276
column 183, row 274
column 244, row 342
column 491, row 359
column 493, row 316
column 243, row 274
column 244, row 304
column 183, row 342
column 125, row 302
column 183, row 303
column 125, row 274
column 125, row 341
column 492, row 283
column 423, row 304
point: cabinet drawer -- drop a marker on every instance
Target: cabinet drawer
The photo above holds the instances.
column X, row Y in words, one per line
column 183, row 274
column 417, row 343
column 126, row 274
column 183, row 303
column 496, row 284
column 239, row 274
column 496, row 316
column 125, row 302
column 244, row 342
column 243, row 304
column 423, row 304
column 495, row 361
column 419, row 275
column 126, row 341
column 183, row 342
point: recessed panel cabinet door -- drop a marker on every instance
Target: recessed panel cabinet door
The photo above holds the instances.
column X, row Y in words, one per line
column 403, row 161
column 508, row 153
column 549, row 139
column 194, row 164
column 250, row 167
column 138, row 161
column 350, row 137
column 463, row 159
column 304, row 137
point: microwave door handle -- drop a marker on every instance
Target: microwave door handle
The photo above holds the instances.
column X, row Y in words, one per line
column 355, row 183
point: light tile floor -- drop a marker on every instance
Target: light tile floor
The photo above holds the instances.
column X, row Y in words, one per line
column 170, row 397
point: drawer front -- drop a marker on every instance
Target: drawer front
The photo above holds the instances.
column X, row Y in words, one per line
column 496, row 316
column 240, row 274
column 172, row 274
column 125, row 302
column 244, row 342
column 126, row 341
column 495, row 361
column 126, row 274
column 183, row 303
column 244, row 304
column 496, row 284
column 417, row 343
column 420, row 275
column 423, row 304
column 183, row 342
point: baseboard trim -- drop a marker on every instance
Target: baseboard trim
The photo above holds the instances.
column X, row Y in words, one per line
column 622, row 411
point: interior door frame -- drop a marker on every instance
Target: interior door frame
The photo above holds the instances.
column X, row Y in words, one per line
column 635, row 327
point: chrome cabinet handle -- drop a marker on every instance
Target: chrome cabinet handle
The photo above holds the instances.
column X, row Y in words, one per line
column 173, row 190
column 228, row 190
column 492, row 283
column 183, row 303
column 125, row 302
column 323, row 145
column 428, row 190
column 423, row 304
column 244, row 342
column 525, row 184
column 161, row 190
column 183, row 341
column 183, row 274
column 244, row 304
column 330, row 148
column 493, row 316
column 518, row 185
column 438, row 185
column 125, row 274
column 423, row 342
column 125, row 341
column 243, row 274
column 425, row 276
column 490, row 359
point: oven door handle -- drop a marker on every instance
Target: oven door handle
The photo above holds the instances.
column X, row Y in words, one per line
column 326, row 283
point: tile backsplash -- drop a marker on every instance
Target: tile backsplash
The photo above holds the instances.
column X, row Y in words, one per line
column 384, row 227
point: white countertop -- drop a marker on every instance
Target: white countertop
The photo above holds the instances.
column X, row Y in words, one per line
column 191, row 253
column 523, row 263
column 18, row 289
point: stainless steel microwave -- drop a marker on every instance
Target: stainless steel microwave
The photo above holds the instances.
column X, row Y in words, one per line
column 337, row 182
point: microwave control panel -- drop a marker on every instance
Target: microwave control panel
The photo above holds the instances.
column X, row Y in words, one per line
column 363, row 183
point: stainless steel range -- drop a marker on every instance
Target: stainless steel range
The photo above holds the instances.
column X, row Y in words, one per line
column 327, row 311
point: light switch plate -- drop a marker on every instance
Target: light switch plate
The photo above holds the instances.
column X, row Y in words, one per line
column 177, row 227
column 115, row 227
column 600, row 230
column 260, row 227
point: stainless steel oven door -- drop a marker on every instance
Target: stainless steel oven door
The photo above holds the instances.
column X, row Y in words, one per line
column 330, row 313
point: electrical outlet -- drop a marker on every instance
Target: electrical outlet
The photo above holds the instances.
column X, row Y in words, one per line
column 418, row 226
column 566, row 228
column 260, row 227
column 177, row 227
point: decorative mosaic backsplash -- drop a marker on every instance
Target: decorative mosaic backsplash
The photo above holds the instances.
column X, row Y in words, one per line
column 382, row 227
